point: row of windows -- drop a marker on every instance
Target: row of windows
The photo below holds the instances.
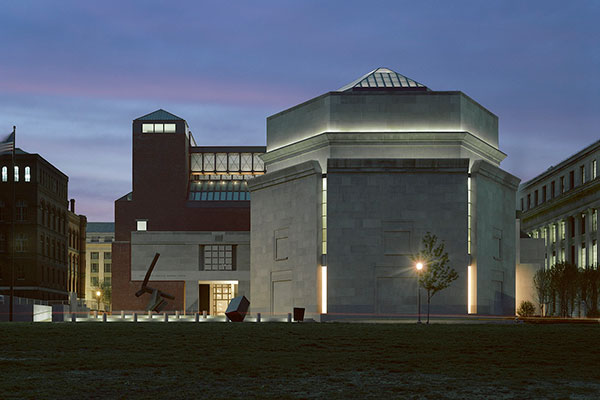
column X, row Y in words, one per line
column 20, row 211
column 95, row 255
column 226, row 162
column 567, row 227
column 585, row 258
column 548, row 192
column 94, row 281
column 16, row 176
column 98, row 239
column 95, row 267
column 158, row 128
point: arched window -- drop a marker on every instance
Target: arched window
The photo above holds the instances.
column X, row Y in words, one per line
column 16, row 173
column 27, row 174
column 4, row 174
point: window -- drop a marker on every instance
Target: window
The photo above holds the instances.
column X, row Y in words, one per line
column 562, row 230
column 583, row 223
column 582, row 256
column 158, row 128
column 94, row 281
column 582, row 174
column 535, row 202
column 594, row 220
column 529, row 201
column 21, row 243
column 94, row 267
column 27, row 174
column 107, row 267
column 553, row 233
column 562, row 184
column 107, row 280
column 552, row 189
column 571, row 180
column 221, row 161
column 16, row 173
column 4, row 174
column 593, row 171
column 94, row 255
column 107, row 255
column 142, row 224
column 219, row 257
column 594, row 254
column 544, row 194
column 21, row 210
column 95, row 239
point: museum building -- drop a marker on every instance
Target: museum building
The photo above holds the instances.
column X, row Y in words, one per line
column 191, row 205
column 560, row 206
column 356, row 177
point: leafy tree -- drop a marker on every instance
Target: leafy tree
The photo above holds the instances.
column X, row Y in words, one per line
column 437, row 274
column 542, row 283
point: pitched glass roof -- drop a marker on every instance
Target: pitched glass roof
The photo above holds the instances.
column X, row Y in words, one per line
column 383, row 78
column 234, row 190
column 160, row 115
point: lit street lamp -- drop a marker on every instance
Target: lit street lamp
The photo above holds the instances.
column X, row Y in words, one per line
column 98, row 294
column 419, row 267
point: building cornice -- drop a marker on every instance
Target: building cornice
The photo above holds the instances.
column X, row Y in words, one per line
column 298, row 171
column 490, row 171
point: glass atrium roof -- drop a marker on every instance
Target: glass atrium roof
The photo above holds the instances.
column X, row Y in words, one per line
column 160, row 115
column 383, row 78
column 234, row 190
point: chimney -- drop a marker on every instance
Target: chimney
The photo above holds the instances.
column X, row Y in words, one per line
column 72, row 205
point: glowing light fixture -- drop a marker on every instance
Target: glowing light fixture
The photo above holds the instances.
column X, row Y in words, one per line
column 323, row 289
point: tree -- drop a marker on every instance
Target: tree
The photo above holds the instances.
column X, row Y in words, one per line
column 543, row 288
column 437, row 274
column 105, row 293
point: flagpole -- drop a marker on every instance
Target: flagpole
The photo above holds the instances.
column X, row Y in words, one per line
column 14, row 242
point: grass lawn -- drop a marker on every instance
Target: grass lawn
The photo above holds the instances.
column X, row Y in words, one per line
column 307, row 360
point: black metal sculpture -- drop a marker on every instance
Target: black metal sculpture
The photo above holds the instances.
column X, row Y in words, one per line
column 157, row 300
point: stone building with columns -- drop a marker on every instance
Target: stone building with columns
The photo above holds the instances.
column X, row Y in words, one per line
column 356, row 177
column 561, row 207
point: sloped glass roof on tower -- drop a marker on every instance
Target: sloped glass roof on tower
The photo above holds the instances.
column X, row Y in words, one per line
column 383, row 78
column 160, row 115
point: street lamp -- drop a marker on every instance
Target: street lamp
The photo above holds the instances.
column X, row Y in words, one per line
column 419, row 267
column 98, row 294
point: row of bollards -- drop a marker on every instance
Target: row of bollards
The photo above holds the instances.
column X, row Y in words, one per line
column 165, row 316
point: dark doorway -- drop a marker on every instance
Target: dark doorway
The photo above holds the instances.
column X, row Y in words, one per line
column 204, row 298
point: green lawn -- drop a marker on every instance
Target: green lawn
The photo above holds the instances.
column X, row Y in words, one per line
column 307, row 360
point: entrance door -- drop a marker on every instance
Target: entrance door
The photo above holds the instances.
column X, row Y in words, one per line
column 204, row 298
column 222, row 295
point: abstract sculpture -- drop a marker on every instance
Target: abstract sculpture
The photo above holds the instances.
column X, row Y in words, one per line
column 157, row 300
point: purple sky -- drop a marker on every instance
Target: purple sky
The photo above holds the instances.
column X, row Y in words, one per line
column 74, row 74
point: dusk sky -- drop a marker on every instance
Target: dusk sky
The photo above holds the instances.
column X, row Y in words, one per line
column 74, row 74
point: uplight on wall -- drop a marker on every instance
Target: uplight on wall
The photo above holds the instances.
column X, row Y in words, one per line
column 323, row 289
column 472, row 289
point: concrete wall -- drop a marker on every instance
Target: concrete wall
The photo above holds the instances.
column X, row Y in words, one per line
column 530, row 259
column 378, row 210
column 180, row 260
column 285, row 240
column 382, row 112
column 493, row 252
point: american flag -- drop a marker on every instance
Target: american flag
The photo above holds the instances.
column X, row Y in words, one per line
column 7, row 144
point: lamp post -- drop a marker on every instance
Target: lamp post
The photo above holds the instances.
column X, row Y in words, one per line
column 98, row 294
column 419, row 267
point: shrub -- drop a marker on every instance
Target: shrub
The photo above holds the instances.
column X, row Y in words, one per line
column 526, row 309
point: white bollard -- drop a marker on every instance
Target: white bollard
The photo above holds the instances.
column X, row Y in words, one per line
column 204, row 314
column 104, row 317
column 177, row 314
column 134, row 317
column 149, row 314
column 197, row 317
column 166, row 317
column 257, row 317
column 122, row 314
column 96, row 314
column 289, row 317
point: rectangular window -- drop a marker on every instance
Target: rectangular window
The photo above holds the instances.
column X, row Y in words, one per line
column 94, row 281
column 571, row 180
column 147, row 128
column 218, row 257
column 16, row 174
column 594, row 220
column 553, row 233
column 107, row 255
column 142, row 224
column 170, row 128
column 562, row 184
column 4, row 174
column 94, row 255
column 536, row 199
column 544, row 194
column 582, row 174
column 107, row 267
column 583, row 221
column 94, row 267
column 529, row 201
column 594, row 255
column 562, row 230
column 552, row 189
column 593, row 170
column 27, row 174
column 107, row 280
column 582, row 256
column 21, row 243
